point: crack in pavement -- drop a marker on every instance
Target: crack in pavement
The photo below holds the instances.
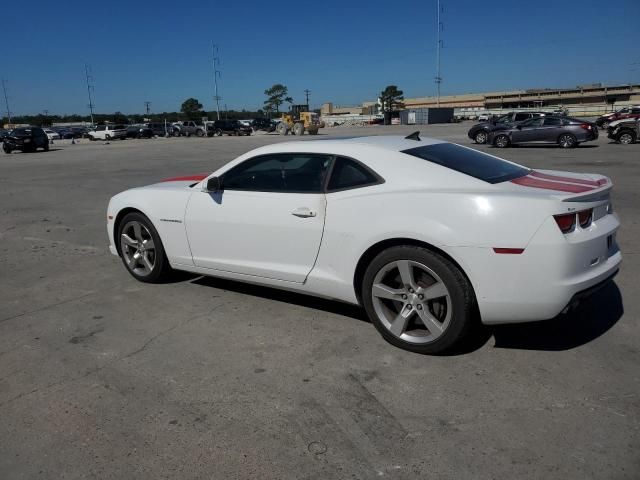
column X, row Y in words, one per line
column 46, row 307
column 113, row 362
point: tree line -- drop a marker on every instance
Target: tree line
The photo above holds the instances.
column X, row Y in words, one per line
column 191, row 109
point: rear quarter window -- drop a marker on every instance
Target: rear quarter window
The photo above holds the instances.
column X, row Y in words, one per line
column 468, row 161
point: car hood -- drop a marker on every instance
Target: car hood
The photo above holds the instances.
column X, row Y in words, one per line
column 623, row 120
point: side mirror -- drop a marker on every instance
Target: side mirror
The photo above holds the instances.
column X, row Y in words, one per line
column 214, row 184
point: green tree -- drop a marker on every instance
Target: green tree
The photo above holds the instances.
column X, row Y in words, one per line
column 191, row 108
column 276, row 96
column 391, row 98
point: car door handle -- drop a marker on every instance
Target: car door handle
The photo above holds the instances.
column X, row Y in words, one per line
column 303, row 212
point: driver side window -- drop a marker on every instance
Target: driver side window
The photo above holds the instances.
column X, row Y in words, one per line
column 284, row 172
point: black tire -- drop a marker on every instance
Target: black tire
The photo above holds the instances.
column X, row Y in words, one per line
column 626, row 137
column 7, row 149
column 502, row 141
column 46, row 147
column 567, row 140
column 161, row 271
column 464, row 312
column 199, row 133
column 218, row 132
column 481, row 137
column 107, row 137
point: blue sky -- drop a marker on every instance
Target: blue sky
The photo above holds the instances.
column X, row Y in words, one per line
column 343, row 51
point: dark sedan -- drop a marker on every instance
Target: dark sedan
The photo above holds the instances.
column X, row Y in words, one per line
column 479, row 133
column 563, row 131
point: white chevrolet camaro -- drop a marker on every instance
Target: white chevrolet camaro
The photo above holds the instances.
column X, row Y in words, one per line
column 427, row 236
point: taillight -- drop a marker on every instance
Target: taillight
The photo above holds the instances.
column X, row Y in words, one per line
column 586, row 126
column 584, row 218
column 566, row 222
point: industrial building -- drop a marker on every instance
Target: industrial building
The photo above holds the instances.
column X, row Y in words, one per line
column 593, row 97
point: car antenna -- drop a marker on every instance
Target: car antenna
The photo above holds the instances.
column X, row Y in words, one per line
column 414, row 136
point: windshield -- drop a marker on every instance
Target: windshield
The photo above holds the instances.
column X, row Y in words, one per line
column 504, row 119
column 469, row 161
column 21, row 131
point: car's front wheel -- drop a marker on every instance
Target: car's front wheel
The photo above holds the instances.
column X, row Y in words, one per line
column 6, row 148
column 481, row 137
column 626, row 138
column 418, row 300
column 141, row 249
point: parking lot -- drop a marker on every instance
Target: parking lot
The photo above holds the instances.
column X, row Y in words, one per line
column 105, row 377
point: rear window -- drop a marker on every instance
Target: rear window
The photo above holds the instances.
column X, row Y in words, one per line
column 469, row 161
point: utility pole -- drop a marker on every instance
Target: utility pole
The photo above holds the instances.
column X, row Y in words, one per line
column 6, row 99
column 306, row 93
column 87, row 70
column 46, row 117
column 438, row 78
column 146, row 106
column 216, row 73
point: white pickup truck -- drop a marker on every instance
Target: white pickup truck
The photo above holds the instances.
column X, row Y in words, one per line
column 108, row 132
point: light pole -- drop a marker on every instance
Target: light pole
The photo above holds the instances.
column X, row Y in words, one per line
column 6, row 99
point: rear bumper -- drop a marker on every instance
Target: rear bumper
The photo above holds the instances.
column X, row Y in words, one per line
column 542, row 281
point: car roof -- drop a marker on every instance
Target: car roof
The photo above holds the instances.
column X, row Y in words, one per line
column 396, row 143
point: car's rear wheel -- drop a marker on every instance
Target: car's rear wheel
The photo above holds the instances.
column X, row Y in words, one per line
column 480, row 137
column 199, row 133
column 502, row 141
column 6, row 148
column 605, row 125
column 566, row 140
column 141, row 249
column 107, row 137
column 418, row 300
column 626, row 138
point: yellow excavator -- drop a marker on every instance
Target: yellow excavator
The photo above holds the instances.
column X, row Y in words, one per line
column 298, row 120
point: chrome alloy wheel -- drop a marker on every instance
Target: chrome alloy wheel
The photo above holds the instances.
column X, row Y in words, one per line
column 138, row 249
column 566, row 141
column 481, row 137
column 411, row 301
column 625, row 138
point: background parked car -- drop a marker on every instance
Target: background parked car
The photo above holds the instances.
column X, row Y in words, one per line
column 51, row 134
column 263, row 124
column 230, row 127
column 108, row 132
column 628, row 112
column 27, row 139
column 188, row 128
column 624, row 131
column 479, row 133
column 139, row 131
column 565, row 131
column 159, row 129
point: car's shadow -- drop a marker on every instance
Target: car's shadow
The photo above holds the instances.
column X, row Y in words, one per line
column 591, row 319
column 521, row 146
column 284, row 296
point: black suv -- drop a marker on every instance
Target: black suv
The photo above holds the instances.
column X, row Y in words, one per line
column 160, row 129
column 139, row 131
column 26, row 139
column 263, row 124
column 230, row 127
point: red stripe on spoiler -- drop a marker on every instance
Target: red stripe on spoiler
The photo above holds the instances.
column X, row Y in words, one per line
column 188, row 178
column 529, row 181
column 568, row 179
